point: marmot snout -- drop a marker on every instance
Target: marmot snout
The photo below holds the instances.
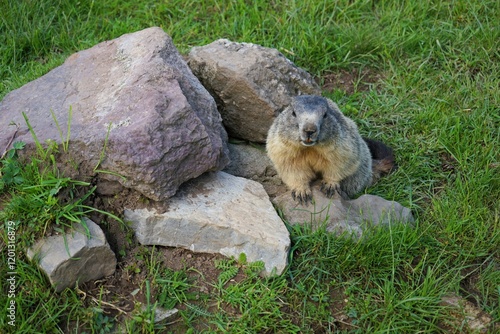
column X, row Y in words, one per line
column 309, row 134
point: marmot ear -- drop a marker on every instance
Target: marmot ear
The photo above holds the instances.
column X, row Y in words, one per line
column 333, row 106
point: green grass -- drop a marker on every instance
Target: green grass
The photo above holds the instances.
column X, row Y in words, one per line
column 438, row 106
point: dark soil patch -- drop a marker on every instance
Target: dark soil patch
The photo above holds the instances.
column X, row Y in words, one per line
column 448, row 167
column 338, row 306
column 352, row 80
column 448, row 162
column 4, row 200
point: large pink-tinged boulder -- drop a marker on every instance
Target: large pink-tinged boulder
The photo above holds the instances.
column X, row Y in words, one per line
column 134, row 93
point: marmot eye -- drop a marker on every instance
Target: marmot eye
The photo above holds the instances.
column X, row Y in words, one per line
column 293, row 114
column 325, row 115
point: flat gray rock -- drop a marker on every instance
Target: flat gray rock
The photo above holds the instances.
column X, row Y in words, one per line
column 252, row 84
column 218, row 213
column 164, row 127
column 79, row 256
column 343, row 216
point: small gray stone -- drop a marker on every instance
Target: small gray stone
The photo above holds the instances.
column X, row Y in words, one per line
column 249, row 162
column 253, row 163
column 79, row 256
column 162, row 314
column 251, row 84
column 343, row 216
column 218, row 213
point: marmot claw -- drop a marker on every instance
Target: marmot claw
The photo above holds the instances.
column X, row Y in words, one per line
column 330, row 189
column 303, row 197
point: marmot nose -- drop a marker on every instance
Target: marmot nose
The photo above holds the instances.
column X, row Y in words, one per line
column 310, row 133
column 310, row 130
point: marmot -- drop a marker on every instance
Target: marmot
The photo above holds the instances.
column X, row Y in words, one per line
column 312, row 138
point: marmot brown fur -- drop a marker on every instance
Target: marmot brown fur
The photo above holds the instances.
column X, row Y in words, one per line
column 312, row 138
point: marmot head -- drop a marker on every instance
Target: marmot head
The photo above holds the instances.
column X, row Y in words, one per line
column 315, row 119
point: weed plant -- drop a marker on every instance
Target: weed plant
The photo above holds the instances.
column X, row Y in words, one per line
column 436, row 103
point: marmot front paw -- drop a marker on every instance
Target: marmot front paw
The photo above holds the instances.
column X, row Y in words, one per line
column 330, row 189
column 302, row 196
